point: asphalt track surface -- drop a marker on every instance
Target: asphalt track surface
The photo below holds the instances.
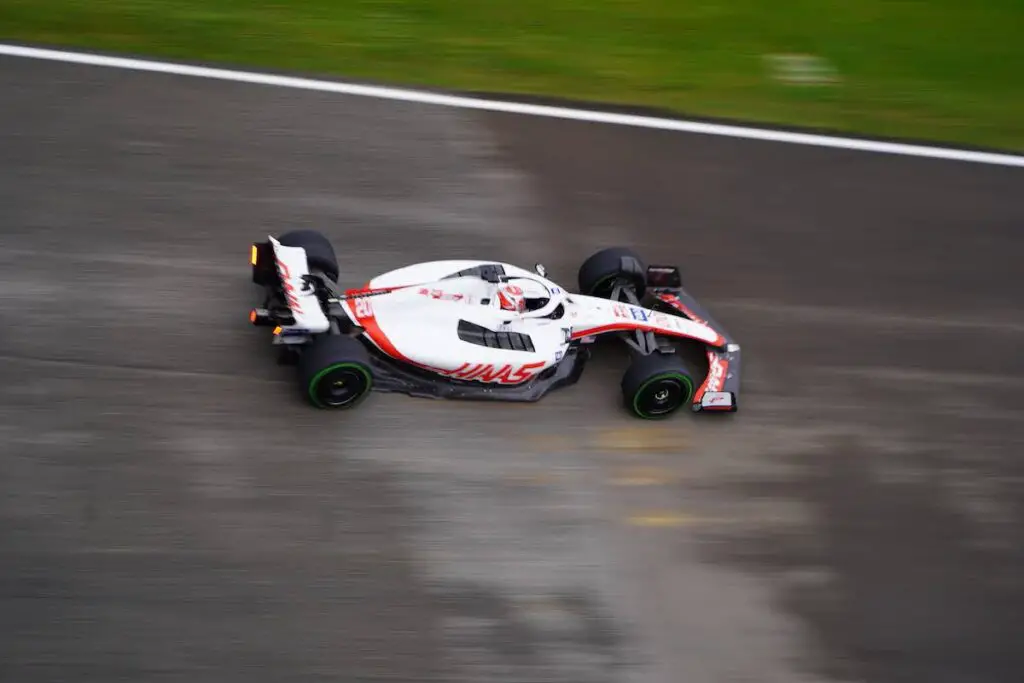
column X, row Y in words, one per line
column 171, row 510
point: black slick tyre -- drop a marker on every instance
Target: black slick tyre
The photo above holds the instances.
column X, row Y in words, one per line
column 599, row 273
column 319, row 251
column 335, row 372
column 656, row 386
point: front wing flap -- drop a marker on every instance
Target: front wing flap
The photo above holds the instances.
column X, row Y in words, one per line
column 719, row 392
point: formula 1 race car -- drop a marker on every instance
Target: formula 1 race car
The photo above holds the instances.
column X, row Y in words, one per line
column 465, row 329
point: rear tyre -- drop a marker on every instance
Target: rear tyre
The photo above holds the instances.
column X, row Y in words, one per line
column 599, row 274
column 319, row 252
column 335, row 372
column 656, row 386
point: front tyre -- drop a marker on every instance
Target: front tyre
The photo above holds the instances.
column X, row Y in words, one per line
column 335, row 372
column 616, row 265
column 656, row 386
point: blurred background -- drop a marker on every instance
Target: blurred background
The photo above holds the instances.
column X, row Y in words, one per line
column 937, row 69
column 171, row 509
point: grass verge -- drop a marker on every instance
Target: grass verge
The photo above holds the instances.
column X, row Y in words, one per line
column 943, row 70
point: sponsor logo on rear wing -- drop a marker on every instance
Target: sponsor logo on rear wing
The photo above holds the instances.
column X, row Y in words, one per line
column 292, row 269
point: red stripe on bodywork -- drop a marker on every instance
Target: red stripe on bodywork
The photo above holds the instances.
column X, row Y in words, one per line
column 376, row 334
column 373, row 331
column 367, row 290
column 677, row 303
column 621, row 327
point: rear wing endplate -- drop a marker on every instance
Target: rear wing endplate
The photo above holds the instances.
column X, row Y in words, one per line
column 285, row 268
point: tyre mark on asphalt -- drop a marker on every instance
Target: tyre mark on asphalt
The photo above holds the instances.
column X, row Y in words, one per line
column 663, row 519
column 136, row 369
column 645, row 476
column 851, row 316
column 897, row 374
column 185, row 262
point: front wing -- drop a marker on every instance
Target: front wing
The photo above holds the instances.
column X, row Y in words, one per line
column 719, row 392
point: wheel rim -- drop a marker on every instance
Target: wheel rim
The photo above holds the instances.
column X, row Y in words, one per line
column 662, row 395
column 339, row 386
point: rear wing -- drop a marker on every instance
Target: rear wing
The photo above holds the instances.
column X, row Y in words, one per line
column 283, row 270
column 721, row 387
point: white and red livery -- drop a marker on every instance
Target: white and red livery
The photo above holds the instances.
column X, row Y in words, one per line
column 488, row 329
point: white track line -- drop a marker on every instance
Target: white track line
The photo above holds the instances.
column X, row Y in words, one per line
column 422, row 97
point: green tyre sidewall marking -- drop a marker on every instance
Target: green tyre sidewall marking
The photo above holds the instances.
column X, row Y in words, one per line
column 677, row 375
column 315, row 382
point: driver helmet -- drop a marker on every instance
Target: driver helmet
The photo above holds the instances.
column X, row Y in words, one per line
column 523, row 295
column 511, row 297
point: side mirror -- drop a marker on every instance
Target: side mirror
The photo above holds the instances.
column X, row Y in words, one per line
column 541, row 270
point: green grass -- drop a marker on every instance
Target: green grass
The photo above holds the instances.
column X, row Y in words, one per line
column 946, row 70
